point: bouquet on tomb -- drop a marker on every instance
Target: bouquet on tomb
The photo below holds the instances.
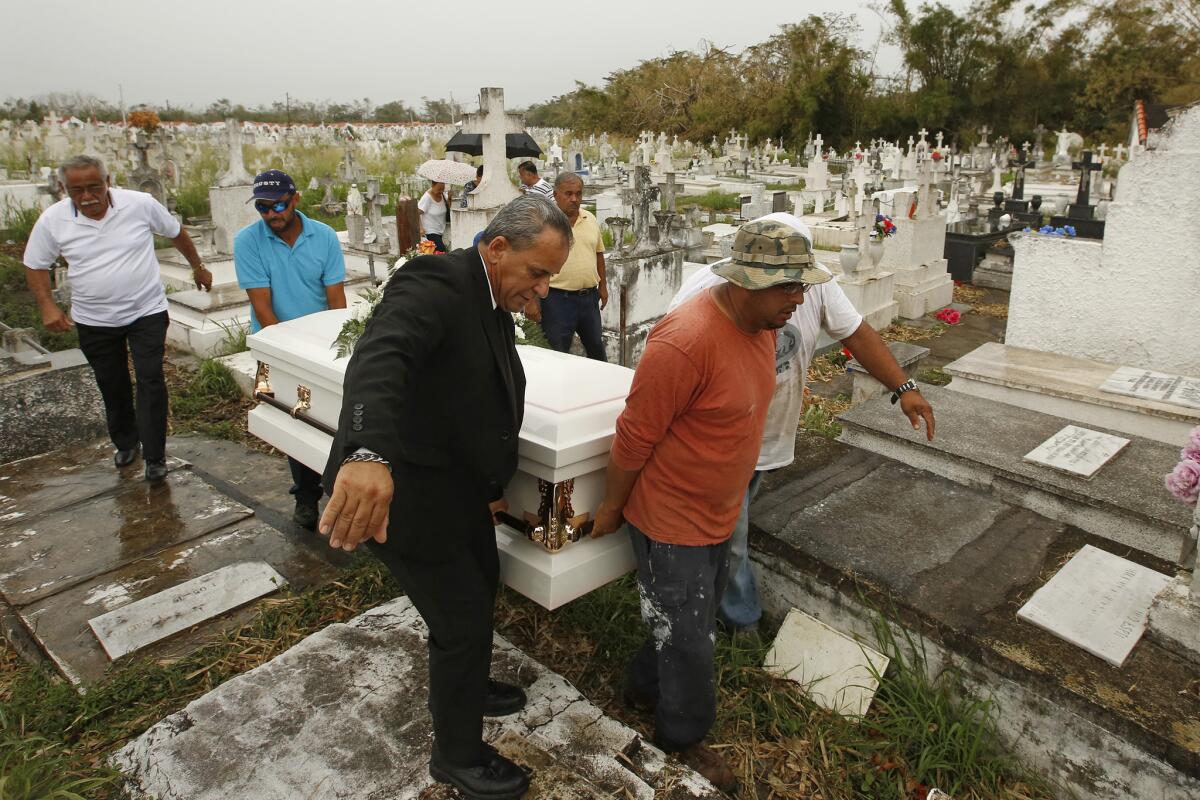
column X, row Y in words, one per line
column 884, row 227
column 1184, row 481
column 353, row 328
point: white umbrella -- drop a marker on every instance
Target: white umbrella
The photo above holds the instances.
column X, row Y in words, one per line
column 443, row 170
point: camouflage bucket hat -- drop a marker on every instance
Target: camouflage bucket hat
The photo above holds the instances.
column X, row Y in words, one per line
column 767, row 253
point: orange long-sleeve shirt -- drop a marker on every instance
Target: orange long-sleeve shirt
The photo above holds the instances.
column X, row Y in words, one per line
column 693, row 423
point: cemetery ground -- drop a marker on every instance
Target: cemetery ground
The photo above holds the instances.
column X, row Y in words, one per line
column 918, row 734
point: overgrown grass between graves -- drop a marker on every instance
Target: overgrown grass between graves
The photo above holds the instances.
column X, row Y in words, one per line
column 714, row 200
column 207, row 400
column 19, row 310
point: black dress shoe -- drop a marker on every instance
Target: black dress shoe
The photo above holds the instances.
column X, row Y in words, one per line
column 305, row 515
column 496, row 778
column 123, row 458
column 502, row 699
column 156, row 471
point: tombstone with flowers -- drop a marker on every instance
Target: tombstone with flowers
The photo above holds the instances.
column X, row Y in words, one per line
column 1175, row 616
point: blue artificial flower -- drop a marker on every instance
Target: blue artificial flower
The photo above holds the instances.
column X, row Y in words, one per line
column 879, row 217
column 1070, row 230
column 1026, row 230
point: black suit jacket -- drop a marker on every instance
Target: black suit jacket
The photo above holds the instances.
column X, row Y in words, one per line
column 435, row 386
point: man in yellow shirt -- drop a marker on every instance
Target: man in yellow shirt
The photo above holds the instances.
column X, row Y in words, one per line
column 579, row 291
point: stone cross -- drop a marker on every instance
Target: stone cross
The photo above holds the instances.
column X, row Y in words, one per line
column 1103, row 152
column 923, row 133
column 668, row 191
column 236, row 174
column 1086, row 167
column 924, row 193
column 644, row 194
column 493, row 123
column 1120, row 151
column 984, row 131
column 939, row 138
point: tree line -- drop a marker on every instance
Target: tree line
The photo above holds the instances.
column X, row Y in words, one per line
column 1002, row 63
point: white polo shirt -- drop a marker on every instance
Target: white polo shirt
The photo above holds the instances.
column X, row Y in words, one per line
column 111, row 267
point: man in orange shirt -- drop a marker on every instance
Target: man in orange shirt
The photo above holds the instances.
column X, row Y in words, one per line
column 685, row 448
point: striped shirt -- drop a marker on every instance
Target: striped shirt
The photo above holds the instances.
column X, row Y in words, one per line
column 542, row 187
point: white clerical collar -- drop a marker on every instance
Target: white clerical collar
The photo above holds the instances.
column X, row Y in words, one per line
column 487, row 278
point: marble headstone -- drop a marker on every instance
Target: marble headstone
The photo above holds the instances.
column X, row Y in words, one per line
column 1076, row 450
column 1144, row 384
column 1097, row 601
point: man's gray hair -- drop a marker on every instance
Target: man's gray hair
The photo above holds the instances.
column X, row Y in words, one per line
column 81, row 162
column 523, row 220
column 566, row 177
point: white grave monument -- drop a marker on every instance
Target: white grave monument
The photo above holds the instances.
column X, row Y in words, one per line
column 227, row 199
column 571, row 409
column 493, row 123
column 915, row 253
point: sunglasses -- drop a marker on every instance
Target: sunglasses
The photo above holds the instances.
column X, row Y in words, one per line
column 278, row 206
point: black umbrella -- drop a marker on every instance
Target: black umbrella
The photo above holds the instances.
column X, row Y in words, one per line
column 516, row 145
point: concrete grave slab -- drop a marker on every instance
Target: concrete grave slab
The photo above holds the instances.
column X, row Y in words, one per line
column 60, row 622
column 838, row 672
column 146, row 621
column 1097, row 601
column 35, row 485
column 343, row 715
column 1077, row 451
column 60, row 549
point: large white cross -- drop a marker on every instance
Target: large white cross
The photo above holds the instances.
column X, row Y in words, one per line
column 493, row 123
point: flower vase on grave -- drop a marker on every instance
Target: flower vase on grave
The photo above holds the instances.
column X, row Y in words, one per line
column 875, row 250
column 849, row 258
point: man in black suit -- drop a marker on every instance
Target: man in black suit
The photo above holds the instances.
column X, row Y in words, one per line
column 431, row 409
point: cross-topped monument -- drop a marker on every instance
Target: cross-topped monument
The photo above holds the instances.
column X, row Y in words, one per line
column 983, row 132
column 493, row 123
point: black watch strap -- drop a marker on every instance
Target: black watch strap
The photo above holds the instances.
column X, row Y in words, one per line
column 908, row 386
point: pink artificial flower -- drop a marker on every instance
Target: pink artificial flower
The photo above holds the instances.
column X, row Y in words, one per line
column 1191, row 450
column 1184, row 482
column 949, row 316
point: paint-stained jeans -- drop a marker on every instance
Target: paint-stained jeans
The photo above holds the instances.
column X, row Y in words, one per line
column 680, row 587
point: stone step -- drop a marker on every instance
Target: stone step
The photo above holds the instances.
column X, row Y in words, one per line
column 982, row 443
column 1067, row 387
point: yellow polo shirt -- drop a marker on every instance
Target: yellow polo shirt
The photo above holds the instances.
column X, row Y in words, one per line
column 580, row 270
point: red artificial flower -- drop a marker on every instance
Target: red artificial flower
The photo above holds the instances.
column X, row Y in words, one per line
column 948, row 316
column 936, row 156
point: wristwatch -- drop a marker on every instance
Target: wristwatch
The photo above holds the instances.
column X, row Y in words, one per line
column 908, row 386
column 199, row 267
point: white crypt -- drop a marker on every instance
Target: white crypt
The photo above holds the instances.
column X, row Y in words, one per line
column 571, row 408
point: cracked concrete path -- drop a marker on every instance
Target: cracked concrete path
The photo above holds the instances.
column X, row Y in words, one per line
column 343, row 715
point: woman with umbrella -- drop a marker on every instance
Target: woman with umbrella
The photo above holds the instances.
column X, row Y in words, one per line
column 434, row 203
column 433, row 206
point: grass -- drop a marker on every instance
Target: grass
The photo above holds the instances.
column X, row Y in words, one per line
column 819, row 416
column 18, row 220
column 936, row 376
column 207, row 401
column 233, row 339
column 19, row 310
column 714, row 200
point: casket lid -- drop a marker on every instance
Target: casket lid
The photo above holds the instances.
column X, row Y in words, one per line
column 307, row 342
column 571, row 405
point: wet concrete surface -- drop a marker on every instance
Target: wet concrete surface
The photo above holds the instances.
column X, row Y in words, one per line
column 79, row 537
column 60, row 621
column 62, row 548
column 61, row 478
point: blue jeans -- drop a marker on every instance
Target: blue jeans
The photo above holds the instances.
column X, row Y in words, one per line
column 677, row 587
column 740, row 607
column 566, row 313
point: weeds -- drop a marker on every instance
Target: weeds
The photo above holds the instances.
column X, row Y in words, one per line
column 19, row 310
column 18, row 220
column 233, row 339
column 714, row 200
column 936, row 376
column 207, row 401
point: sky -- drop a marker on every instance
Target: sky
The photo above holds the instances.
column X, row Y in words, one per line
column 257, row 51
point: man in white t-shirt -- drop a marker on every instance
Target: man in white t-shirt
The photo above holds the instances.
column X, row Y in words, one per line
column 825, row 307
column 118, row 306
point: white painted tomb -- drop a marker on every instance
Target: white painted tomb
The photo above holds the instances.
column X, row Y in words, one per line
column 1077, row 451
column 837, row 672
column 1097, row 601
column 571, row 409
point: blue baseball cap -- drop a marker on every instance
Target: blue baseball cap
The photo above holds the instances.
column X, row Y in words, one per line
column 273, row 185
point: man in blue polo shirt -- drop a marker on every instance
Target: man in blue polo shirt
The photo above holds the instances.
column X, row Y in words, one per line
column 290, row 266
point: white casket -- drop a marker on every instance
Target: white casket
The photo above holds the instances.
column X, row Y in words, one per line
column 571, row 408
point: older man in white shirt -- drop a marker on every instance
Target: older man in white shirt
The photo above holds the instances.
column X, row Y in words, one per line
column 118, row 305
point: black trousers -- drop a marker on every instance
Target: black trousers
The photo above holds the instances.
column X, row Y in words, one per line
column 107, row 351
column 306, row 484
column 457, row 600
